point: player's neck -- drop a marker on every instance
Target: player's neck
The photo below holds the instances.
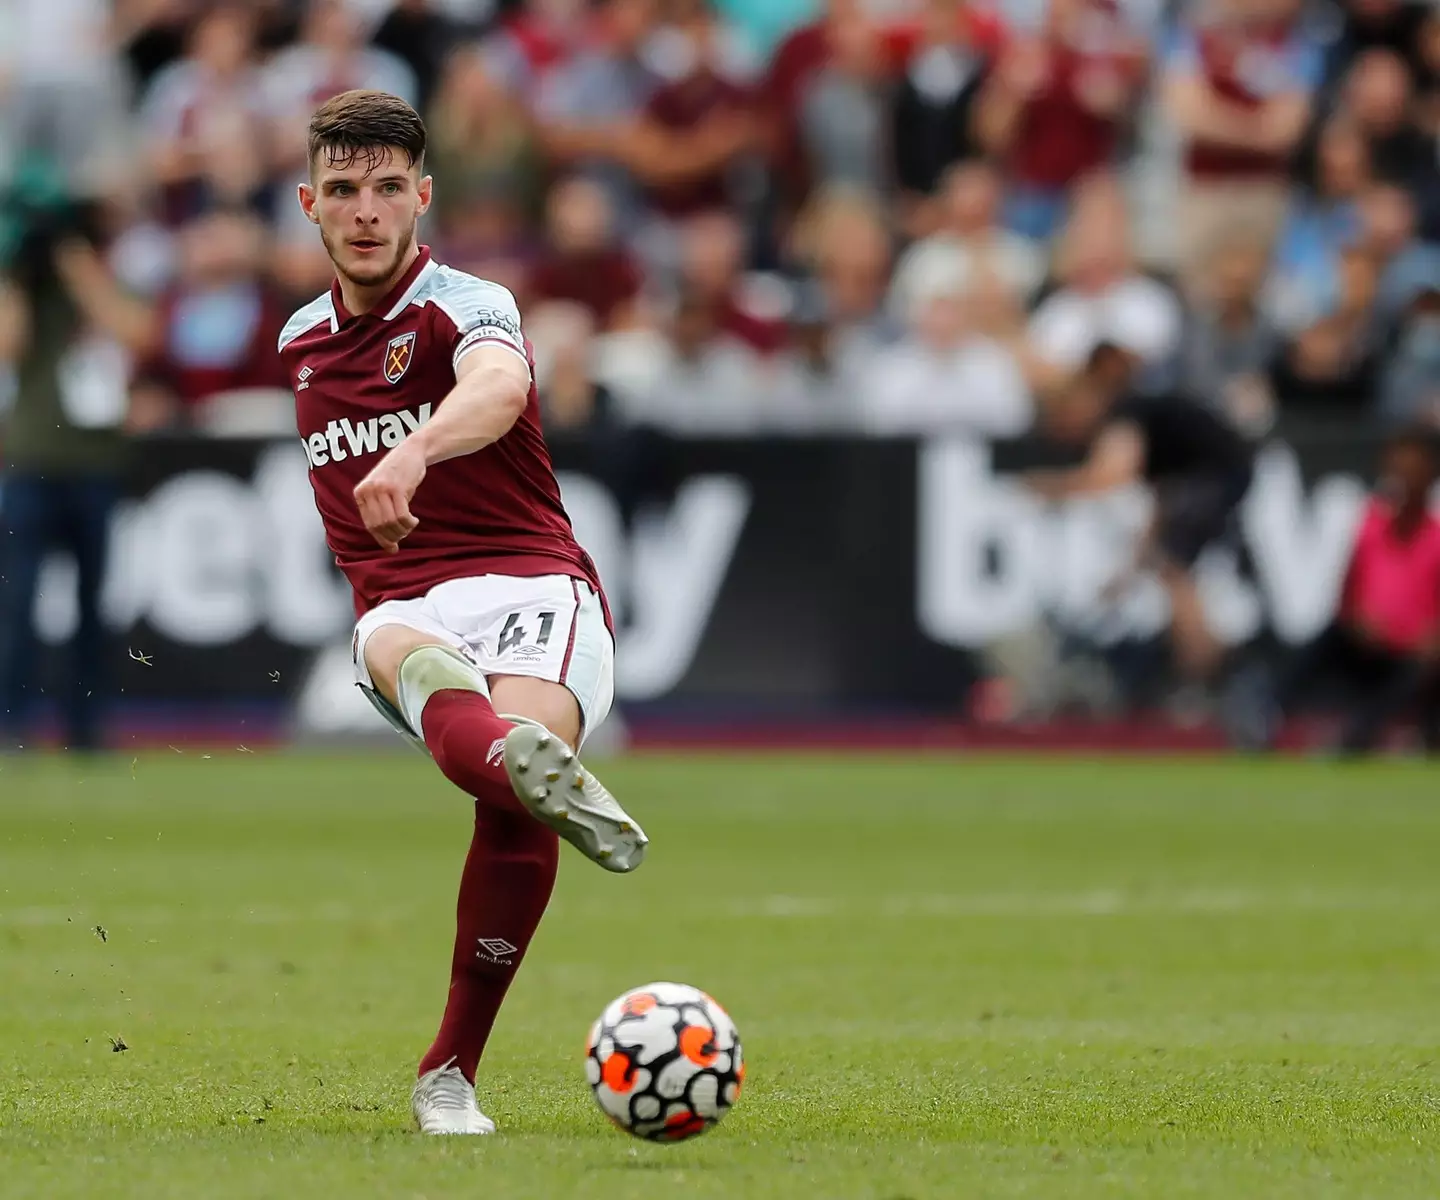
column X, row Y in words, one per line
column 361, row 298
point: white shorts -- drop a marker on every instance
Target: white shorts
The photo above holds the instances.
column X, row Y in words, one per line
column 547, row 627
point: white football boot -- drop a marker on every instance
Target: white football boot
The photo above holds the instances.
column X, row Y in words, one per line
column 444, row 1102
column 562, row 794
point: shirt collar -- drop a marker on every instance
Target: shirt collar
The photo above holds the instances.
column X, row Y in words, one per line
column 398, row 298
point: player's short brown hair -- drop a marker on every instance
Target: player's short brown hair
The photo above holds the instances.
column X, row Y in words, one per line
column 361, row 125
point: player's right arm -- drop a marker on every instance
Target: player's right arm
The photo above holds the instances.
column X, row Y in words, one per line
column 492, row 388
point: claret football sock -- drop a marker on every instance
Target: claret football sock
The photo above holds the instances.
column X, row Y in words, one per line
column 509, row 874
column 510, row 870
column 444, row 698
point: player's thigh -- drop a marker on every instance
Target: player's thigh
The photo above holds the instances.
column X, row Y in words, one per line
column 389, row 632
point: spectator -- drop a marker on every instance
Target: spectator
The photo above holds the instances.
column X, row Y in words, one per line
column 1196, row 465
column 1386, row 25
column 150, row 35
column 944, row 376
column 1387, row 234
column 1410, row 391
column 1102, row 297
column 217, row 328
column 585, row 104
column 206, row 121
column 1378, row 96
column 1384, row 646
column 1057, row 107
column 695, row 130
column 60, row 92
column 808, row 395
column 1333, row 363
column 841, row 241
column 968, row 219
column 418, row 34
column 1427, row 119
column 1427, row 48
column 801, row 57
column 1238, row 83
column 842, row 111
column 535, row 37
column 707, row 382
column 632, row 460
column 1229, row 342
column 932, row 122
column 712, row 272
column 481, row 139
column 69, row 328
column 1320, row 225
column 582, row 264
column 332, row 56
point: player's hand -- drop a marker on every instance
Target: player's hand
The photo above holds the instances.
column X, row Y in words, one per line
column 384, row 495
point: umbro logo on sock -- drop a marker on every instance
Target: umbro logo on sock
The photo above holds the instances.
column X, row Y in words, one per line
column 497, row 950
column 496, row 752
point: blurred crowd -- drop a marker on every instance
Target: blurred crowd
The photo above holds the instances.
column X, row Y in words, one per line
column 745, row 216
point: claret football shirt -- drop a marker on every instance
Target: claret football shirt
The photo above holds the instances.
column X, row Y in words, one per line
column 365, row 382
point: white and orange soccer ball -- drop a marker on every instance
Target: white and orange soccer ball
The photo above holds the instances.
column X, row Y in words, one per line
column 665, row 1062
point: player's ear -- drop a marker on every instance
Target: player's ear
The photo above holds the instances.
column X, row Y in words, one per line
column 425, row 189
column 307, row 198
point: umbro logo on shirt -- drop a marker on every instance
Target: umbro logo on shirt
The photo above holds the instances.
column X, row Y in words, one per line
column 302, row 381
column 345, row 438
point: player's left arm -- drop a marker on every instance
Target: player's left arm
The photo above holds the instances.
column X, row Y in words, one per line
column 1117, row 458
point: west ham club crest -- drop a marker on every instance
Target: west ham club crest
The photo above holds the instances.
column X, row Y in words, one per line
column 398, row 355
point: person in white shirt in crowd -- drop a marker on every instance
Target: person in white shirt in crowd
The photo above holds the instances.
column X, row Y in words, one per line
column 1103, row 297
column 945, row 375
column 842, row 243
column 969, row 208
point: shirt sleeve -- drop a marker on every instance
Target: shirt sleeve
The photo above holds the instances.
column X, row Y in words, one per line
column 482, row 314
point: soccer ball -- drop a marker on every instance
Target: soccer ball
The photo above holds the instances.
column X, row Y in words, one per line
column 664, row 1062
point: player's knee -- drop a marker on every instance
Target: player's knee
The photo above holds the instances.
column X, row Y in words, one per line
column 385, row 649
column 552, row 704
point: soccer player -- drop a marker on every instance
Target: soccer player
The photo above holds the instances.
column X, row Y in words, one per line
column 483, row 634
column 1196, row 465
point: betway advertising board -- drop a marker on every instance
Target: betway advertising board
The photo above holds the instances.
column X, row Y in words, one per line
column 778, row 574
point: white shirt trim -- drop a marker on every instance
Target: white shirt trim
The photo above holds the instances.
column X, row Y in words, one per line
column 413, row 290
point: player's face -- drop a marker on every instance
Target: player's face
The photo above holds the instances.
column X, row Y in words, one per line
column 367, row 211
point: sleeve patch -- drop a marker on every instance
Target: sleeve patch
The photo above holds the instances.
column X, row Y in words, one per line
column 493, row 320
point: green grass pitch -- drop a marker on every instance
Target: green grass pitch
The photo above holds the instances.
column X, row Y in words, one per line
column 953, row 978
